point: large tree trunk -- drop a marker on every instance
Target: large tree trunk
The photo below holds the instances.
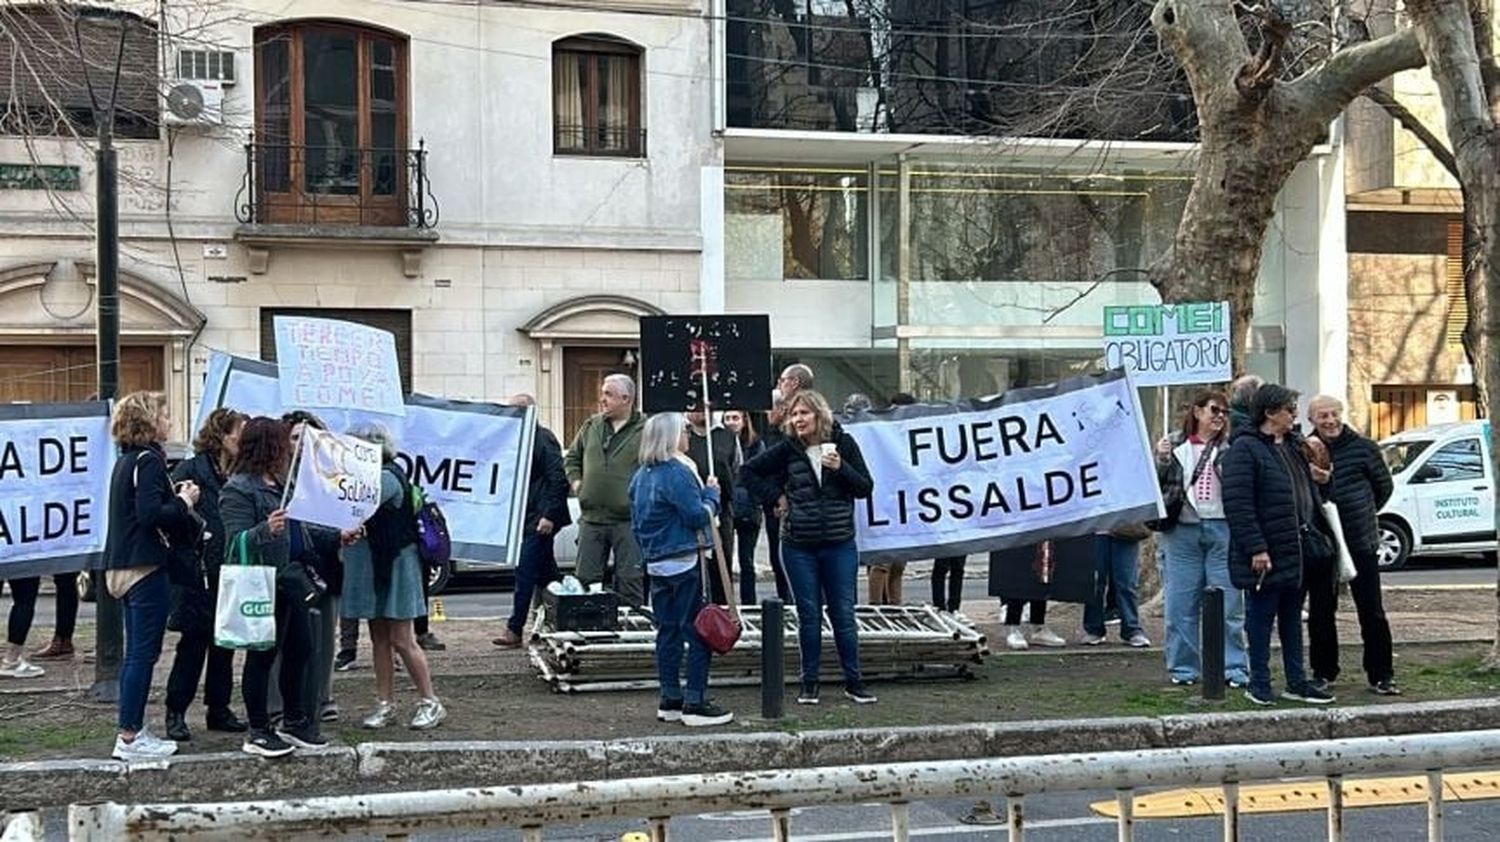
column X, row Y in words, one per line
column 1446, row 33
column 1254, row 129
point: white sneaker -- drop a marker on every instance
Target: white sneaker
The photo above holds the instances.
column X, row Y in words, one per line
column 143, row 747
column 167, row 748
column 381, row 716
column 20, row 668
column 1043, row 636
column 1015, row 639
column 1139, row 640
column 430, row 712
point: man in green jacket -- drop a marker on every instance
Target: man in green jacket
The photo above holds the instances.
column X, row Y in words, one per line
column 600, row 463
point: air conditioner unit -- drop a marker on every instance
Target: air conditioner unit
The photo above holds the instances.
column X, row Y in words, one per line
column 194, row 104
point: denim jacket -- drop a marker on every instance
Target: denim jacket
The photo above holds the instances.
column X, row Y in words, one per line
column 668, row 508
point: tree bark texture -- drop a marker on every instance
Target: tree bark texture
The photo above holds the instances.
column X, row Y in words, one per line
column 1254, row 130
column 1445, row 30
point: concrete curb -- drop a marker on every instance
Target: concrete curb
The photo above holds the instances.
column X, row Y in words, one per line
column 376, row 767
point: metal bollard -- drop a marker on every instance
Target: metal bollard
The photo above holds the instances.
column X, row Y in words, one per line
column 1211, row 637
column 772, row 658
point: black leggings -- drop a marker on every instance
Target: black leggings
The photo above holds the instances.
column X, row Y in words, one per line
column 952, row 569
column 1013, row 611
column 294, row 642
column 23, row 594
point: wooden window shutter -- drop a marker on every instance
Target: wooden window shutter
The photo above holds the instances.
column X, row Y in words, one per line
column 397, row 322
column 1458, row 303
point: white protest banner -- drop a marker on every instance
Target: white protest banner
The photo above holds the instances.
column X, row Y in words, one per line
column 337, row 480
column 471, row 459
column 55, row 466
column 327, row 363
column 1046, row 462
column 1169, row 344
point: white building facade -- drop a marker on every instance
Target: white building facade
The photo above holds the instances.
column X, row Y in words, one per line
column 505, row 187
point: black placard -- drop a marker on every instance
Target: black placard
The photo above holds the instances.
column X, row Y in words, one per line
column 1014, row 571
column 738, row 357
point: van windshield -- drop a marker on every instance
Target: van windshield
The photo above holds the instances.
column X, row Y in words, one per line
column 1400, row 454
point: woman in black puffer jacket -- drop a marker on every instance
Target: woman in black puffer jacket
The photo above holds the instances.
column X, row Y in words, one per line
column 815, row 474
column 1275, row 530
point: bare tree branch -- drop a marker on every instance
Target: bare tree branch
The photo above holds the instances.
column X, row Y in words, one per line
column 1328, row 88
column 1412, row 123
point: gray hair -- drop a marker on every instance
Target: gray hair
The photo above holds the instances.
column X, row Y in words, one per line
column 661, row 437
column 1324, row 402
column 857, row 402
column 623, row 381
column 1243, row 389
column 801, row 373
column 375, row 432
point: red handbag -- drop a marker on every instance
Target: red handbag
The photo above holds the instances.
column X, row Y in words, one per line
column 717, row 626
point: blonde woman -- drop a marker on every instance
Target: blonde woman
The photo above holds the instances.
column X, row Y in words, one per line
column 815, row 474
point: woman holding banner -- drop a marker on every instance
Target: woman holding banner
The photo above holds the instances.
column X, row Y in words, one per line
column 145, row 513
column 251, row 505
column 670, row 508
column 816, row 474
column 383, row 584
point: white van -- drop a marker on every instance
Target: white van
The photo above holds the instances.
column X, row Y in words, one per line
column 1444, row 502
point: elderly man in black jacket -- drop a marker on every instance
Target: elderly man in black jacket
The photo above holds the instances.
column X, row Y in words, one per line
column 546, row 514
column 1272, row 508
column 1360, row 485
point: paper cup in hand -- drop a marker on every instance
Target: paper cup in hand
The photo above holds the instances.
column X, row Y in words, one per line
column 828, row 447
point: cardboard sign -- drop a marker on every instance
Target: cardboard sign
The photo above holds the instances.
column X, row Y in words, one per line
column 336, row 480
column 736, row 351
column 55, row 466
column 981, row 475
column 326, row 363
column 1170, row 344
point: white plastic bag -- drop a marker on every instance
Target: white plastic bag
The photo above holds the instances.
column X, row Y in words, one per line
column 1346, row 561
column 245, row 615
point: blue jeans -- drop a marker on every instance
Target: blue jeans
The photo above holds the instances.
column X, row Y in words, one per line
column 1197, row 557
column 1283, row 608
column 145, row 606
column 1115, row 561
column 824, row 575
column 537, row 568
column 676, row 600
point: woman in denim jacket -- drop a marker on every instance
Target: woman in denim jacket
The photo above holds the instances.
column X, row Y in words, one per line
column 669, row 509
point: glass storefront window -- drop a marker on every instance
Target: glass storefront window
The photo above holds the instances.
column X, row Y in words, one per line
column 796, row 224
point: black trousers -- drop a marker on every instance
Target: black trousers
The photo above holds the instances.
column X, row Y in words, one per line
column 294, row 642
column 1374, row 629
column 947, row 596
column 1320, row 588
column 22, row 608
column 1013, row 611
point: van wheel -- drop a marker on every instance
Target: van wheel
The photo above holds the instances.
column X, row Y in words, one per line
column 437, row 577
column 86, row 586
column 1395, row 546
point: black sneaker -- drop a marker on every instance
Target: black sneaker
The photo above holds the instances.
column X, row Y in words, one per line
column 1322, row 685
column 1257, row 699
column 707, row 713
column 430, row 642
column 303, row 736
column 266, row 744
column 1385, row 688
column 1308, row 693
column 224, row 720
column 669, row 710
column 344, row 661
column 808, row 695
column 857, row 694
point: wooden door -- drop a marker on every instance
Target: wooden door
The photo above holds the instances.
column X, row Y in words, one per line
column 1397, row 408
column 584, row 370
column 59, row 373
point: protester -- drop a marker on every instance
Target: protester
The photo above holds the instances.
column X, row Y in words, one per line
column 599, row 466
column 1117, row 556
column 1189, row 467
column 948, row 583
column 748, row 513
column 193, row 604
column 1036, row 615
column 13, row 664
column 145, row 515
column 1270, row 504
column 815, row 475
column 669, row 509
column 65, row 596
column 727, row 460
column 546, row 513
column 383, row 584
column 251, row 505
column 323, row 610
column 1359, row 486
column 795, row 378
column 1241, row 391
column 774, row 432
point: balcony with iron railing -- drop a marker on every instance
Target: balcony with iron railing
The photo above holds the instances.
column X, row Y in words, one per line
column 598, row 140
column 294, row 194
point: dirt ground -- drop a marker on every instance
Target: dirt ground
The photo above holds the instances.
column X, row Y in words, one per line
column 494, row 694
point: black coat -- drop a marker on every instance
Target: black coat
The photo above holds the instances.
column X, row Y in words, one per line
column 201, row 470
column 821, row 513
column 547, row 484
column 143, row 510
column 1261, row 507
column 1360, row 485
column 726, row 463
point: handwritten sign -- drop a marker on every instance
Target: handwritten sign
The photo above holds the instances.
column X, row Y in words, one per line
column 735, row 351
column 55, row 466
column 326, row 363
column 1169, row 345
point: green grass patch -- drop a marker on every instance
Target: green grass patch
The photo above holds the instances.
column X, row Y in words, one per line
column 30, row 739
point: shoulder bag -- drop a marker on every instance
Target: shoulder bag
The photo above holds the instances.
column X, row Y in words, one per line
column 717, row 626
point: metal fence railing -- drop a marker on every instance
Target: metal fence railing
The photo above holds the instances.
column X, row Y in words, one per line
column 535, row 807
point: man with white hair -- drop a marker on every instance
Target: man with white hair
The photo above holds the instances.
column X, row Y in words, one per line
column 599, row 465
column 1360, row 484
